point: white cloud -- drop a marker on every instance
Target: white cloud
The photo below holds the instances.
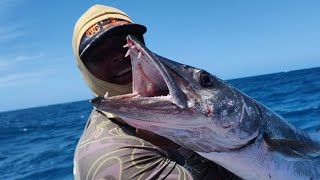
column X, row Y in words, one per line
column 4, row 65
column 18, row 79
column 7, row 5
column 8, row 33
column 28, row 70
column 9, row 62
column 11, row 28
column 21, row 58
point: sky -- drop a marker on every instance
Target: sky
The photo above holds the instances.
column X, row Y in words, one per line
column 230, row 39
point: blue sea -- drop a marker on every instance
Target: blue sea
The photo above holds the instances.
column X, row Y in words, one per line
column 39, row 143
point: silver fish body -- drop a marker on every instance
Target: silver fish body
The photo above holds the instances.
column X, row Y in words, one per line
column 207, row 115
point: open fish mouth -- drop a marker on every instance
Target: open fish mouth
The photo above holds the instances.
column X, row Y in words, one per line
column 147, row 80
column 151, row 78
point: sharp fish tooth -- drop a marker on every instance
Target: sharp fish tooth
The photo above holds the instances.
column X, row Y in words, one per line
column 139, row 55
column 126, row 45
column 127, row 54
column 106, row 95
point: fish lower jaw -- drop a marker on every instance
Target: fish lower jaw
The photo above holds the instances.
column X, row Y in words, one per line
column 121, row 97
column 158, row 122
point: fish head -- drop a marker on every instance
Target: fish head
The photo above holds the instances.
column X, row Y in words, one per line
column 185, row 104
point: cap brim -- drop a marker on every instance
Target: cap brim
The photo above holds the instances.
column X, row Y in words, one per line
column 134, row 29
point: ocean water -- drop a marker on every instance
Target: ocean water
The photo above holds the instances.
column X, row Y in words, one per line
column 39, row 143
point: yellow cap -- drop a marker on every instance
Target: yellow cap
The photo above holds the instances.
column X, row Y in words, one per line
column 93, row 15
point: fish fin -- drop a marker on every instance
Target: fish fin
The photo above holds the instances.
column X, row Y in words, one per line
column 293, row 148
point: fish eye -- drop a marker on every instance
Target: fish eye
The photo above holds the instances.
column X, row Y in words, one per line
column 205, row 79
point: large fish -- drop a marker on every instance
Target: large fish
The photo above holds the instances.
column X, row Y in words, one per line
column 201, row 112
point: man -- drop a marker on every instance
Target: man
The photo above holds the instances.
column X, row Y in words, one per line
column 109, row 148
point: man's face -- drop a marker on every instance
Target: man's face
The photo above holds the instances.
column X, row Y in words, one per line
column 106, row 61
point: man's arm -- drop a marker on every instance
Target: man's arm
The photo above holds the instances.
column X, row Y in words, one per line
column 110, row 150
